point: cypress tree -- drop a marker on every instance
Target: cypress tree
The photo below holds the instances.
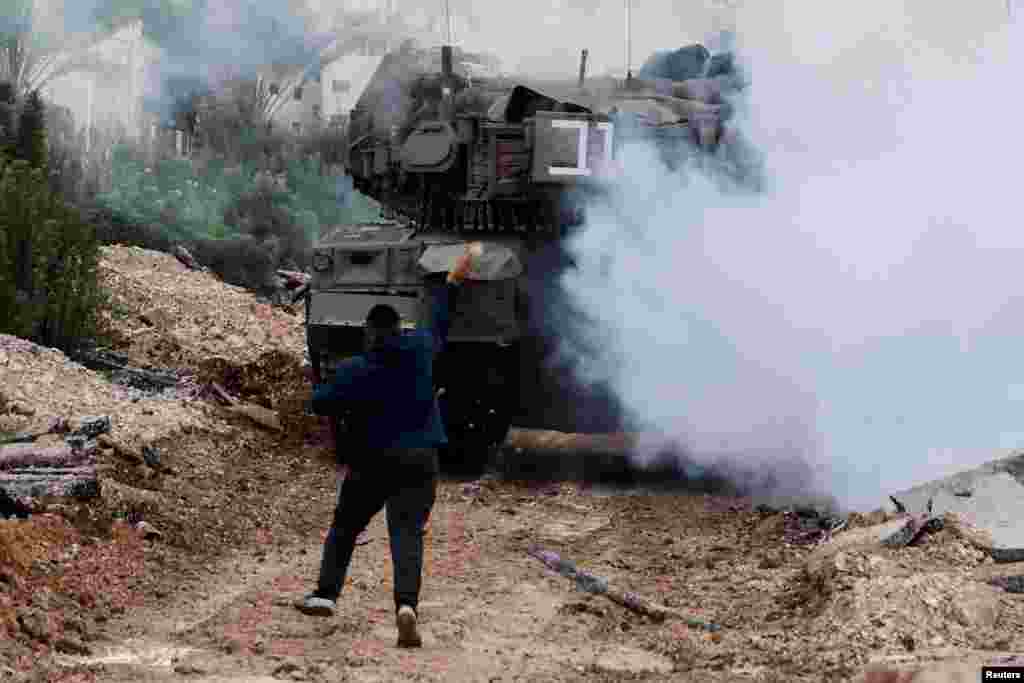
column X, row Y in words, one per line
column 6, row 118
column 31, row 137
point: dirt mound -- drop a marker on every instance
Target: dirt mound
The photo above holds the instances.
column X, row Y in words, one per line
column 39, row 384
column 167, row 315
column 897, row 601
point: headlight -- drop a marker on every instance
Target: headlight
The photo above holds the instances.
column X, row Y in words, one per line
column 322, row 262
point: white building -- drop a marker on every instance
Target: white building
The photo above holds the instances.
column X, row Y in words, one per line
column 106, row 91
column 343, row 82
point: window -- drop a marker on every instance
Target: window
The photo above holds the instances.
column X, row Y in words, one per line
column 316, row 111
column 298, row 93
column 340, row 86
column 297, row 128
column 274, row 89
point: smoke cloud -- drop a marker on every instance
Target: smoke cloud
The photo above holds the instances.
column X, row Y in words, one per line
column 860, row 313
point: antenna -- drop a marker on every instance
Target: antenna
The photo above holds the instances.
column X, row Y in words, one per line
column 448, row 21
column 629, row 40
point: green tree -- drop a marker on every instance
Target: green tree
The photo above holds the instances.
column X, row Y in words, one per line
column 34, row 49
column 49, row 289
column 31, row 136
column 6, row 118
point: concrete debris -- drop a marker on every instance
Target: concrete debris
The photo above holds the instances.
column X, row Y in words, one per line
column 148, row 531
column 913, row 530
column 995, row 504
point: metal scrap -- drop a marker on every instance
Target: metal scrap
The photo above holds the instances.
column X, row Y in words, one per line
column 809, row 527
column 1010, row 584
column 591, row 583
column 915, row 529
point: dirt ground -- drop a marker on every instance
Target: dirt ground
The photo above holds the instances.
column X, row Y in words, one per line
column 236, row 514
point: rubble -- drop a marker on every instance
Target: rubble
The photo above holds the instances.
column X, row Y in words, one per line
column 38, row 385
column 995, row 504
column 194, row 315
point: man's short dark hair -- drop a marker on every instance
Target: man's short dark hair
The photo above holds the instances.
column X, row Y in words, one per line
column 383, row 318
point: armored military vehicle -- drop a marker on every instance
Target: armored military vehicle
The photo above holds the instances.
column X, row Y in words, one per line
column 507, row 164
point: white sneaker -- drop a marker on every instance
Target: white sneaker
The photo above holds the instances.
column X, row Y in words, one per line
column 408, row 632
column 315, row 606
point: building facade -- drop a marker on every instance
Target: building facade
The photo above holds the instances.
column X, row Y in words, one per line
column 106, row 93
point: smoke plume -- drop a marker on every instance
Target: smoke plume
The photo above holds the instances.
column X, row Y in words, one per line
column 860, row 313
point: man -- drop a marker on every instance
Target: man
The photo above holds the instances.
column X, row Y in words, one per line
column 389, row 456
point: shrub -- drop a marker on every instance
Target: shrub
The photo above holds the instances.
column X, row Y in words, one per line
column 48, row 260
column 31, row 136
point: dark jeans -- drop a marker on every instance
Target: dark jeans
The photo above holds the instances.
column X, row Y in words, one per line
column 405, row 481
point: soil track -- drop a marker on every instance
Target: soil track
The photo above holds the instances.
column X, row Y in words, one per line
column 241, row 511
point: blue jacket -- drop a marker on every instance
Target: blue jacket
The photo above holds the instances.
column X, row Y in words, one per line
column 388, row 393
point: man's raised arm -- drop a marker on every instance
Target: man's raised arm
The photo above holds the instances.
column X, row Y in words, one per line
column 444, row 297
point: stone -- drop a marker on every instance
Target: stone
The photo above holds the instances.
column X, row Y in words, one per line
column 34, row 624
column 633, row 661
column 78, row 626
column 72, row 646
column 148, row 531
column 976, row 606
column 822, row 563
column 972, row 535
column 287, row 670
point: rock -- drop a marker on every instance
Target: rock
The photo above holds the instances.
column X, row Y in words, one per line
column 72, row 646
column 287, row 670
column 191, row 667
column 148, row 531
column 976, row 606
column 155, row 318
column 821, row 563
column 34, row 624
column 78, row 626
column 977, row 538
column 628, row 660
column 771, row 528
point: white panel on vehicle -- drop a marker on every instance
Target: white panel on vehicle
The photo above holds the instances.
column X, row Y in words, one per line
column 495, row 262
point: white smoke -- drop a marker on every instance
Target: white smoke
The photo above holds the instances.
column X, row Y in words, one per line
column 863, row 311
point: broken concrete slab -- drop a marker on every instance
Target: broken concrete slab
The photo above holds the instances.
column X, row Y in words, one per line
column 990, row 497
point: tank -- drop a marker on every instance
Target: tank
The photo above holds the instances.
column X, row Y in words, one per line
column 455, row 158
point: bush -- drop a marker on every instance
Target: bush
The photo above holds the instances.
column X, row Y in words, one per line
column 31, row 136
column 49, row 290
